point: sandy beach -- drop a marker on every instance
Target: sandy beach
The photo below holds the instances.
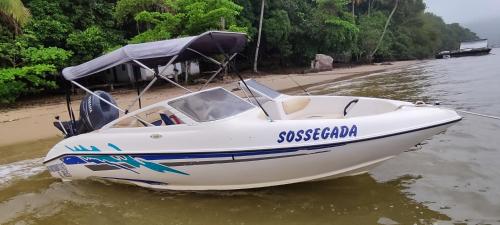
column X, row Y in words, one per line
column 32, row 120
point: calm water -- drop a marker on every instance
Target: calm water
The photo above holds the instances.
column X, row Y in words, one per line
column 453, row 178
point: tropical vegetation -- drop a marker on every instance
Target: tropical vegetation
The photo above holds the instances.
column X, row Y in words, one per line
column 40, row 37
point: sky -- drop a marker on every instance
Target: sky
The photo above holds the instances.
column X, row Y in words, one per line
column 481, row 16
column 465, row 11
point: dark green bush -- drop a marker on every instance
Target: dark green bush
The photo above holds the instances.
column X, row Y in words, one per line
column 15, row 82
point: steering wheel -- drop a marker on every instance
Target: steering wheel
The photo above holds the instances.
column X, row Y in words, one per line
column 349, row 104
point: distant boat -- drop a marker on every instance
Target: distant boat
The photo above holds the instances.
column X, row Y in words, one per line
column 470, row 48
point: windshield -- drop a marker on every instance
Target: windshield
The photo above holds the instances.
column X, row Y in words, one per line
column 211, row 105
column 262, row 89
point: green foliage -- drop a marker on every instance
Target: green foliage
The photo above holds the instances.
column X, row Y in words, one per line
column 30, row 68
column 277, row 28
column 456, row 34
column 127, row 9
column 49, row 32
column 340, row 31
column 303, row 23
column 9, row 54
column 89, row 43
column 236, row 28
column 87, row 13
column 18, row 53
column 56, row 57
column 163, row 20
column 14, row 14
column 245, row 19
column 61, row 33
column 202, row 15
column 163, row 25
column 370, row 31
column 58, row 23
column 15, row 82
column 412, row 34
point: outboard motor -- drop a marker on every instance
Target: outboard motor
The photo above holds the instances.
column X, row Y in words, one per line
column 95, row 113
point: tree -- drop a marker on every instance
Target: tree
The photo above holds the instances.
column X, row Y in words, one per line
column 14, row 13
column 370, row 3
column 202, row 15
column 354, row 4
column 31, row 69
column 177, row 18
column 385, row 29
column 15, row 82
column 56, row 57
column 88, row 44
column 291, row 31
column 371, row 28
column 163, row 25
column 128, row 9
column 277, row 28
column 337, row 26
column 261, row 18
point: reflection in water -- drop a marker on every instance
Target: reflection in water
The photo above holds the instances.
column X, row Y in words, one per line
column 453, row 178
column 351, row 200
column 28, row 150
column 460, row 170
column 407, row 84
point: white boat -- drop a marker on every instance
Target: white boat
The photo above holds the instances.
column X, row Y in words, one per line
column 214, row 139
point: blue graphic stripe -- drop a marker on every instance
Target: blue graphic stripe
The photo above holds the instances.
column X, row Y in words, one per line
column 75, row 159
column 223, row 154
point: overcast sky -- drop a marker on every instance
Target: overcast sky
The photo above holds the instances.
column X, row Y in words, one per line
column 465, row 11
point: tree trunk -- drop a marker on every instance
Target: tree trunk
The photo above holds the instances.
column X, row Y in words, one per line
column 258, row 38
column 369, row 6
column 16, row 31
column 223, row 23
column 353, row 3
column 385, row 29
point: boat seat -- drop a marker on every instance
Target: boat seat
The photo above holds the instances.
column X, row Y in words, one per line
column 295, row 104
column 166, row 119
column 157, row 123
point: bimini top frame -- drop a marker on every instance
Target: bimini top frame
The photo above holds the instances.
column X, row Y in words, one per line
column 157, row 53
column 154, row 54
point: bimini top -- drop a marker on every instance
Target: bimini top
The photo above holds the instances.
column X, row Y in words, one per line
column 160, row 52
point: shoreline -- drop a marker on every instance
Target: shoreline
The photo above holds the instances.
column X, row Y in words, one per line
column 32, row 121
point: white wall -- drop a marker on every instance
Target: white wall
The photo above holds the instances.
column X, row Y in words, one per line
column 193, row 68
column 474, row 44
column 125, row 72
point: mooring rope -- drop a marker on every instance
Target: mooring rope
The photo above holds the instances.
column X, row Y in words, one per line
column 437, row 104
column 478, row 114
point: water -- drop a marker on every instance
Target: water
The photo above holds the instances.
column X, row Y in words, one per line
column 453, row 178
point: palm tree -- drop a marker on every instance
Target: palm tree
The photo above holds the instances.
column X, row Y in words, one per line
column 258, row 38
column 385, row 29
column 14, row 14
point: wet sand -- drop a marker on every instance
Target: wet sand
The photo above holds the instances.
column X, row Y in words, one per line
column 33, row 121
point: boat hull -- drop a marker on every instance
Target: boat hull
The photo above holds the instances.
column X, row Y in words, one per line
column 241, row 169
column 474, row 52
